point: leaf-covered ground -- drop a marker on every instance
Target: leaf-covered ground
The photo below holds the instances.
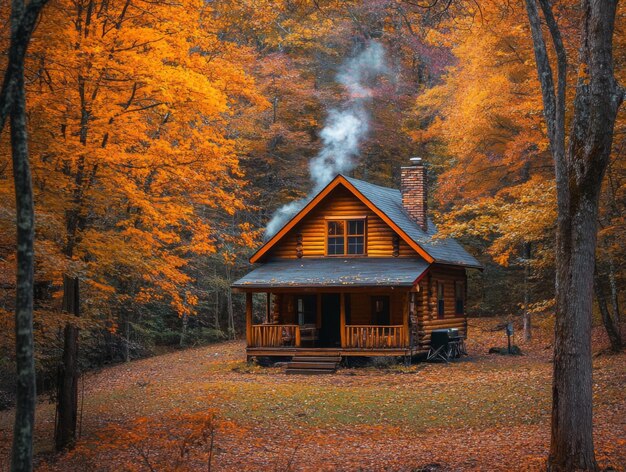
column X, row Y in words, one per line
column 486, row 412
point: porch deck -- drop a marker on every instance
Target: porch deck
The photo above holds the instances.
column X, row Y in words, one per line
column 289, row 351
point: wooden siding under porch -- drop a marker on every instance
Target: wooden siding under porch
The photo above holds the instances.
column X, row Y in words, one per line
column 328, row 352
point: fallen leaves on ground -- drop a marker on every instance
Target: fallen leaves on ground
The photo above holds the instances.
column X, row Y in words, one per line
column 485, row 412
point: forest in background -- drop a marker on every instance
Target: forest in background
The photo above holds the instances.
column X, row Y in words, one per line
column 164, row 136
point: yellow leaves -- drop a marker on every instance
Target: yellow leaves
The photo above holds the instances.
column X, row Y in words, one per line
column 503, row 257
column 104, row 288
column 513, row 216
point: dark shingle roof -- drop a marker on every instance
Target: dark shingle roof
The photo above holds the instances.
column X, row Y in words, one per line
column 389, row 201
column 334, row 272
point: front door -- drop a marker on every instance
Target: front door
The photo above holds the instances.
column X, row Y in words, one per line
column 330, row 335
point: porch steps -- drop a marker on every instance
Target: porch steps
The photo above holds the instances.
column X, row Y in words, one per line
column 312, row 365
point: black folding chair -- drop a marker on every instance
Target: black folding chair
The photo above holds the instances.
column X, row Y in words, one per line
column 440, row 353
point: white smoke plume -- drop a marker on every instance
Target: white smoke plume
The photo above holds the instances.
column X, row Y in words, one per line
column 343, row 131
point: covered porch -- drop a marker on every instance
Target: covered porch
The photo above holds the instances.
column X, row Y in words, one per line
column 342, row 307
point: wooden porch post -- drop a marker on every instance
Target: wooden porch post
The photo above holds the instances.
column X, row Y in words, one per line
column 408, row 297
column 342, row 323
column 276, row 309
column 268, row 307
column 249, row 318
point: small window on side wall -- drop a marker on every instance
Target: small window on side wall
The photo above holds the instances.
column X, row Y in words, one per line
column 459, row 298
column 440, row 300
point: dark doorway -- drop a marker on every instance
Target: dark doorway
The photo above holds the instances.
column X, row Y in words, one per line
column 330, row 335
column 380, row 310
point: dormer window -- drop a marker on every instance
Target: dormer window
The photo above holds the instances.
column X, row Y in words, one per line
column 345, row 237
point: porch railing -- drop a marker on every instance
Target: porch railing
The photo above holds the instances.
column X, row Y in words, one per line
column 275, row 335
column 375, row 336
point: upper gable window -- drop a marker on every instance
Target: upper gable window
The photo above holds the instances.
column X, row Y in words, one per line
column 345, row 237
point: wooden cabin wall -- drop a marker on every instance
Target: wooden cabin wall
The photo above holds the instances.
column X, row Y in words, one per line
column 427, row 303
column 361, row 307
column 288, row 309
column 340, row 202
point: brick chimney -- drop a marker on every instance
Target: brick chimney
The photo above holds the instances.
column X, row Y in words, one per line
column 413, row 189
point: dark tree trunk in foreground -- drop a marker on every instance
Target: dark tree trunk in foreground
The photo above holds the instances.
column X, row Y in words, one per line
column 67, row 381
column 25, row 393
column 13, row 104
column 579, row 173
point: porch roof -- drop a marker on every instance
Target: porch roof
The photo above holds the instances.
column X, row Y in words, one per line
column 335, row 272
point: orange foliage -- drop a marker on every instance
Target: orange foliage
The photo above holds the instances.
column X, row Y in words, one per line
column 130, row 112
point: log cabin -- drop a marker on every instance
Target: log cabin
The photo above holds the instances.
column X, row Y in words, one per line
column 357, row 271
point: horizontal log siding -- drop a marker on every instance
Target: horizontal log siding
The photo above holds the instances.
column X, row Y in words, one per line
column 288, row 309
column 339, row 203
column 427, row 306
column 361, row 307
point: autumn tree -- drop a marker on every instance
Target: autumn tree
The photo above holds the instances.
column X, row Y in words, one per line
column 579, row 169
column 484, row 142
column 133, row 130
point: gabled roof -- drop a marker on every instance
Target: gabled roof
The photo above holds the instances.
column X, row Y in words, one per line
column 387, row 204
column 389, row 201
column 335, row 272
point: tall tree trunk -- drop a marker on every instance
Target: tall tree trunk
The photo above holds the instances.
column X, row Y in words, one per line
column 610, row 324
column 183, row 332
column 579, row 174
column 26, row 388
column 217, row 311
column 229, row 305
column 231, row 314
column 13, row 104
column 127, row 339
column 614, row 293
column 572, row 418
column 527, row 316
column 67, row 380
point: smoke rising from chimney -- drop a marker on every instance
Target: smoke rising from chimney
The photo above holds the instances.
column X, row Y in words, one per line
column 344, row 130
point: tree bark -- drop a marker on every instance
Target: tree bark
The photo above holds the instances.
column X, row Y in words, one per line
column 67, row 382
column 217, row 311
column 611, row 325
column 13, row 104
column 182, row 342
column 527, row 316
column 579, row 175
column 614, row 293
column 229, row 306
column 67, row 391
column 22, row 454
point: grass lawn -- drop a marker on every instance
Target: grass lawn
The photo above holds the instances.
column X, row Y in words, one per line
column 486, row 412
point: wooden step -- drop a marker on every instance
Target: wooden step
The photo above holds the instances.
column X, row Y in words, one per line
column 316, row 359
column 309, row 371
column 312, row 365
